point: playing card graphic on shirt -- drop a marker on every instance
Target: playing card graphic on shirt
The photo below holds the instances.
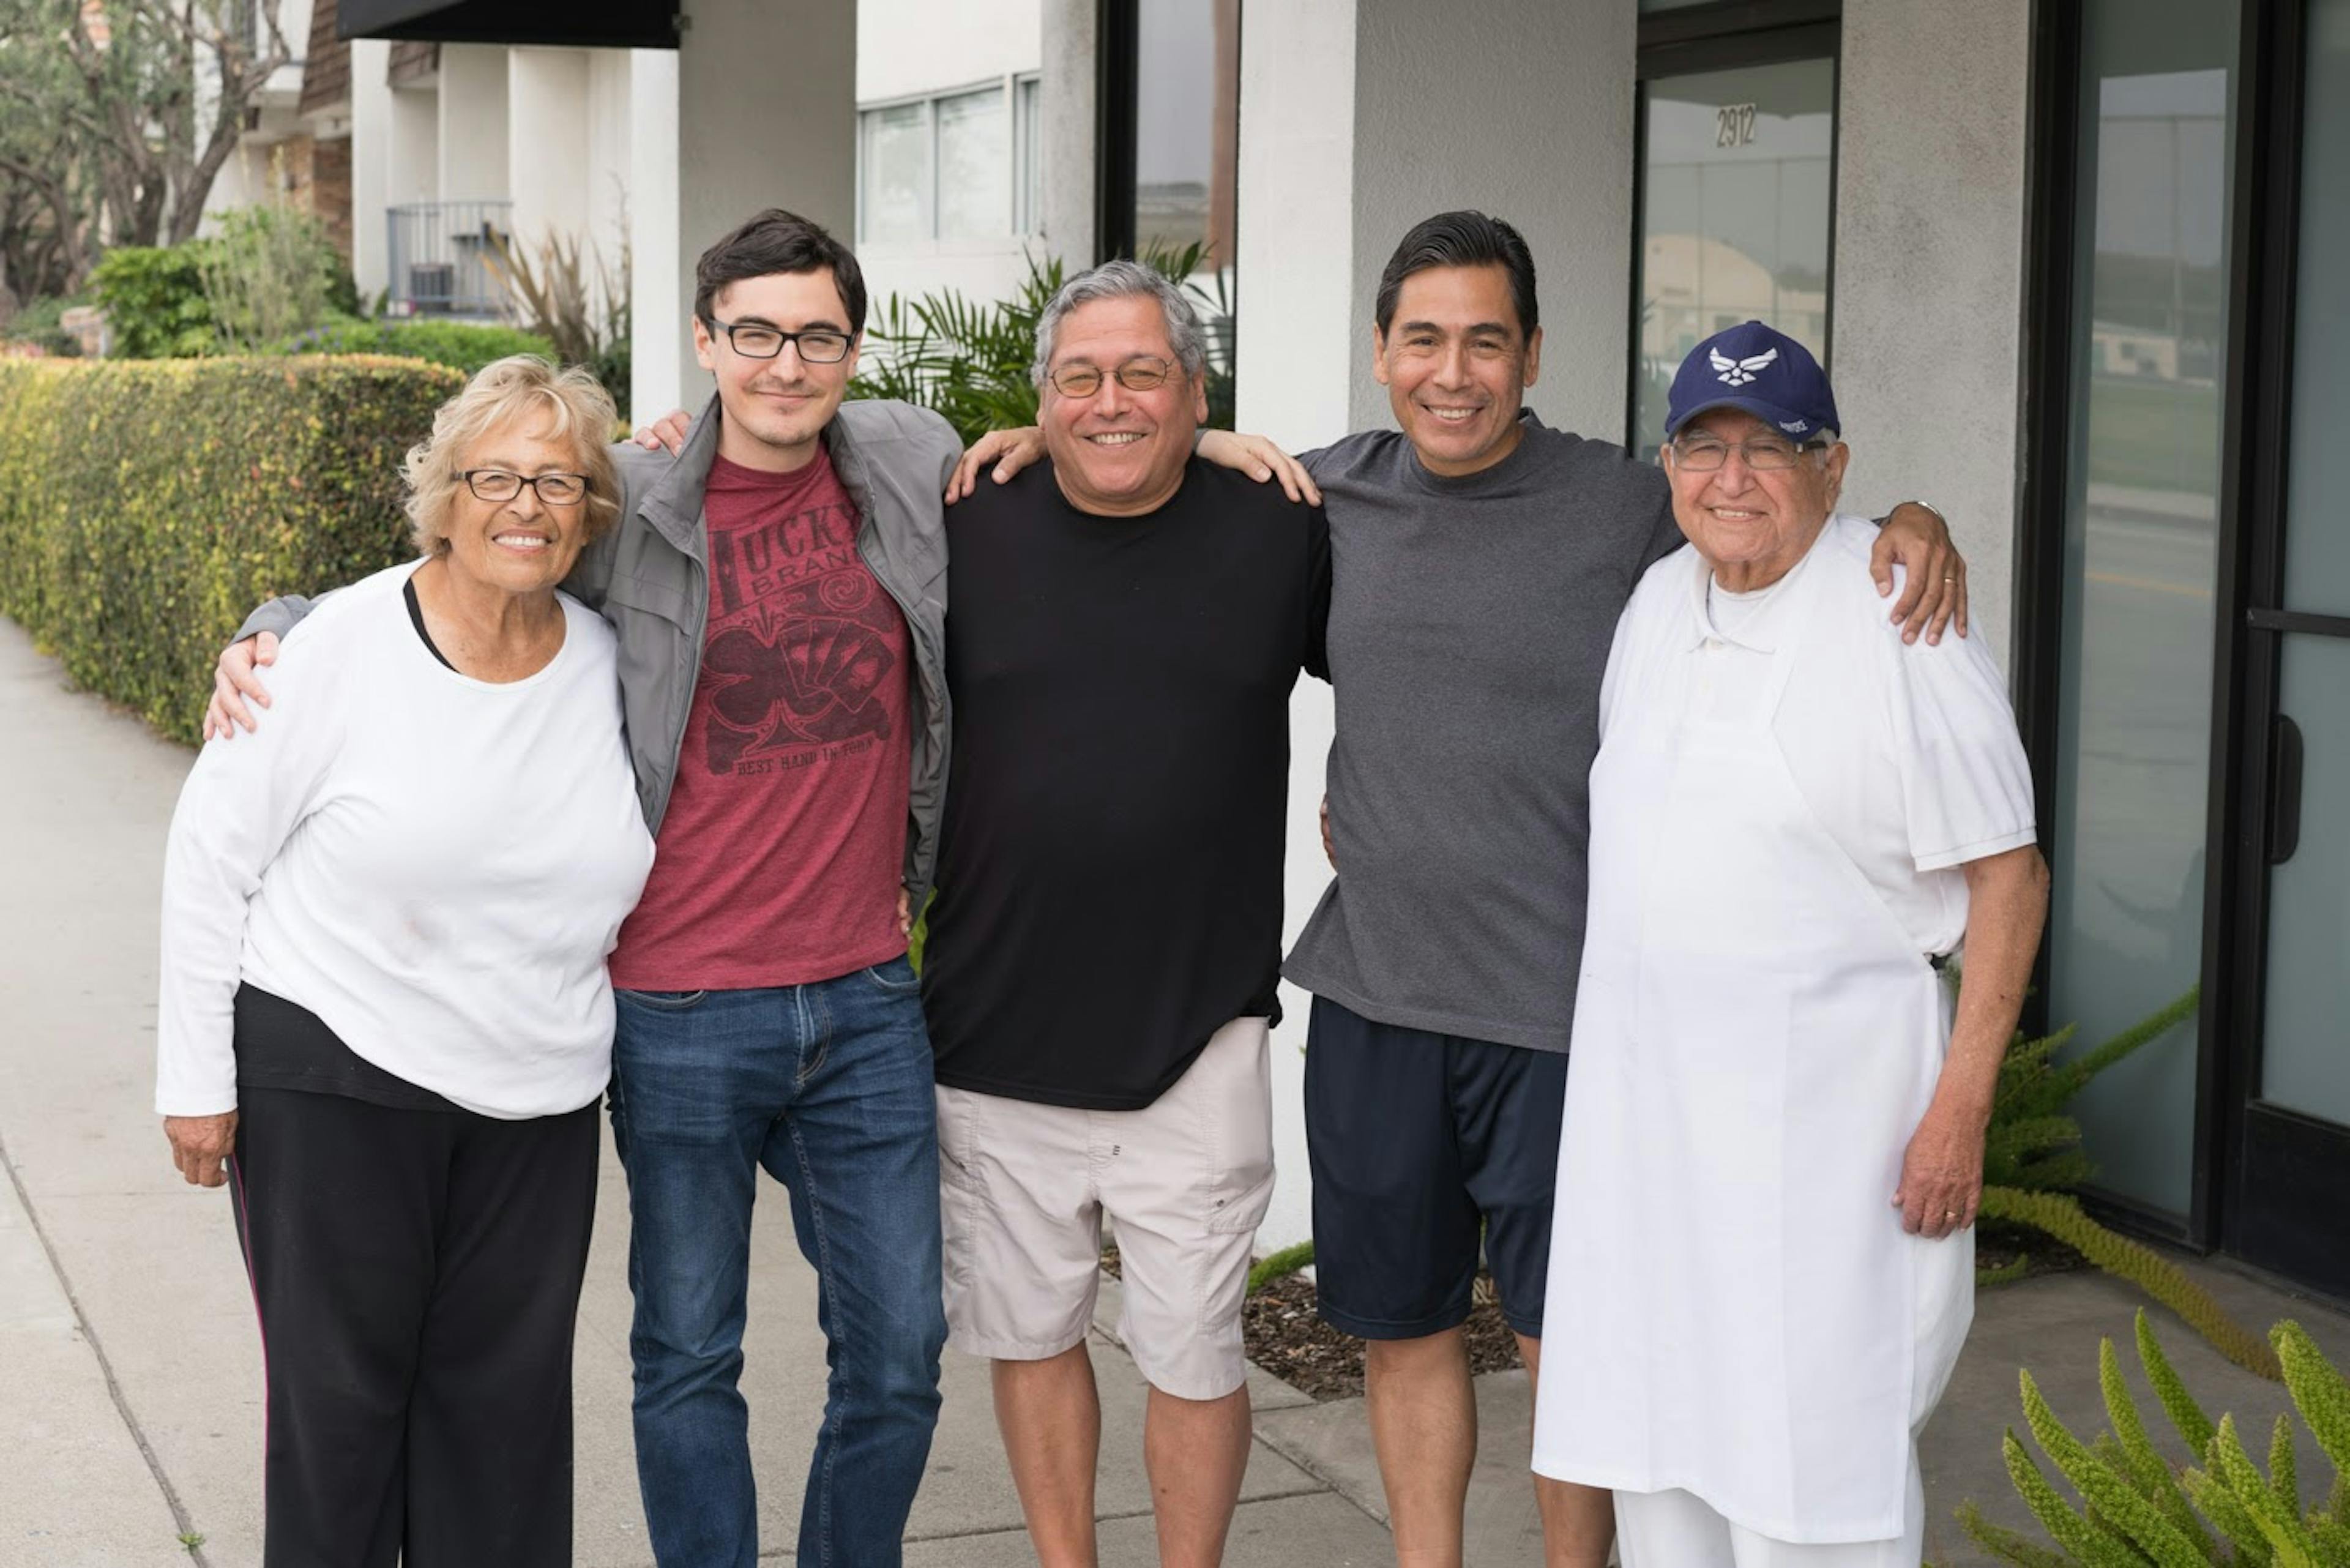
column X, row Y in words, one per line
column 801, row 640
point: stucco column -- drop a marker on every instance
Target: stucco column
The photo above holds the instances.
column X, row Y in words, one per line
column 472, row 104
column 1521, row 109
column 1068, row 84
column 765, row 116
column 547, row 130
column 1297, row 341
column 1930, row 252
column 371, row 154
column 660, row 350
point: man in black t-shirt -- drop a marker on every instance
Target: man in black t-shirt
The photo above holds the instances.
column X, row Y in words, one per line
column 1124, row 629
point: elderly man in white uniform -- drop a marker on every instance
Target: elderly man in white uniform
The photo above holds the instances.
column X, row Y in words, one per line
column 1762, row 1266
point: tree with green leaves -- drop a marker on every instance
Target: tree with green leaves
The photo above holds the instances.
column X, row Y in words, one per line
column 115, row 120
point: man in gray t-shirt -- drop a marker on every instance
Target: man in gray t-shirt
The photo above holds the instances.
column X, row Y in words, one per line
column 1479, row 562
column 1472, row 624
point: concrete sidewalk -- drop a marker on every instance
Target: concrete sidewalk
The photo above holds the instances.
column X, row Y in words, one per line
column 130, row 1366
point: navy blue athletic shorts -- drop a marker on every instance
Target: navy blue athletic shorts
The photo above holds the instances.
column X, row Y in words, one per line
column 1417, row 1141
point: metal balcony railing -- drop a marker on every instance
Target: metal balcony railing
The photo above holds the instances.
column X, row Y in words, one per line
column 439, row 253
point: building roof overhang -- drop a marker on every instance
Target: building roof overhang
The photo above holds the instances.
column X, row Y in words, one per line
column 583, row 24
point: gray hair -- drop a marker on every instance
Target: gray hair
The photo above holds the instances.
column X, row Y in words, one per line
column 1123, row 279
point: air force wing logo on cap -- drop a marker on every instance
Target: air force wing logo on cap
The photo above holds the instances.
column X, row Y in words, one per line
column 1756, row 369
column 1738, row 372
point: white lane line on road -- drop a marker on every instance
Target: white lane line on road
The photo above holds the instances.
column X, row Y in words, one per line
column 88, row 1330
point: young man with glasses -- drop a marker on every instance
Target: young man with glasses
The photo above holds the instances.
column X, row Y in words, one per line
column 778, row 590
column 1487, row 558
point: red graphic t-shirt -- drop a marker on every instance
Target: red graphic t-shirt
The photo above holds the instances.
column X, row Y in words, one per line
column 780, row 858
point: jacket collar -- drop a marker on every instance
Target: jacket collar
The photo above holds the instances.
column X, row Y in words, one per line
column 675, row 505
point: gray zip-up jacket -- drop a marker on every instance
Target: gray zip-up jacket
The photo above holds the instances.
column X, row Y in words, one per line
column 649, row 577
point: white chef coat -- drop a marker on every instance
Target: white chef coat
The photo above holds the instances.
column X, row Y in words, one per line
column 1906, row 753
column 1776, row 817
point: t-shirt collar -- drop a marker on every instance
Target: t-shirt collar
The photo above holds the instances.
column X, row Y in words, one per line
column 1501, row 473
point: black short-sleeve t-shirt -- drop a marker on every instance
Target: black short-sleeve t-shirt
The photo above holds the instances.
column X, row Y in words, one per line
column 1111, row 863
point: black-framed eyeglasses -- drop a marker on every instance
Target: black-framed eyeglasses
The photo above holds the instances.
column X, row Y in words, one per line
column 1704, row 454
column 504, row 484
column 757, row 340
column 1141, row 374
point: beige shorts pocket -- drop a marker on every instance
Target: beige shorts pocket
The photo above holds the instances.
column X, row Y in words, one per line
column 1236, row 1104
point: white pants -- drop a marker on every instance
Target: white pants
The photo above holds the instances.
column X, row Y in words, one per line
column 1676, row 1530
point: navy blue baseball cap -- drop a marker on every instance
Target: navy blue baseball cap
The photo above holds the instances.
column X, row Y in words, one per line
column 1759, row 370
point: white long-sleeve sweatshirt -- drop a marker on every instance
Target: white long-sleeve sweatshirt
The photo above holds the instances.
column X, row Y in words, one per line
column 435, row 866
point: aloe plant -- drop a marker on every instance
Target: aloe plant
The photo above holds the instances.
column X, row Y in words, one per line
column 2136, row 1508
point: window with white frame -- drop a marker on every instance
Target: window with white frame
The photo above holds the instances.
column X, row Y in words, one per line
column 954, row 166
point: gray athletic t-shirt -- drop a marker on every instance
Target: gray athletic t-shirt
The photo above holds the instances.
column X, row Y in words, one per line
column 1470, row 625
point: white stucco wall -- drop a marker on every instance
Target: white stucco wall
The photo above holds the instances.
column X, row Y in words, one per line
column 1930, row 254
column 471, row 144
column 1298, row 342
column 1521, row 109
column 910, row 46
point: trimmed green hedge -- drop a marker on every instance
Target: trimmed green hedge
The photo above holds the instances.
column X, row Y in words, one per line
column 145, row 507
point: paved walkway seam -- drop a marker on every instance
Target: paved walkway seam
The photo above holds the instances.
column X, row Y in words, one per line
column 189, row 1537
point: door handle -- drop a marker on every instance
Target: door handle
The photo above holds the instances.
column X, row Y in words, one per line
column 2284, row 790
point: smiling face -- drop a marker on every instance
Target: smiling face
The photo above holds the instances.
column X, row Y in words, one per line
column 1456, row 366
column 775, row 410
column 524, row 545
column 1752, row 524
column 1119, row 452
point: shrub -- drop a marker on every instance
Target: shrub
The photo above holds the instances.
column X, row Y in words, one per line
column 154, row 300
column 144, row 508
column 459, row 345
column 272, row 272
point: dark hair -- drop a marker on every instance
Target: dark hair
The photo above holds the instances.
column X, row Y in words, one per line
column 778, row 242
column 1462, row 239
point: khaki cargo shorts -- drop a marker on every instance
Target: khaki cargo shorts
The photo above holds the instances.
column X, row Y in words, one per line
column 1023, row 1189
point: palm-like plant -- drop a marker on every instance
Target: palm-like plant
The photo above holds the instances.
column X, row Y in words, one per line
column 2137, row 1509
column 2033, row 1160
column 969, row 359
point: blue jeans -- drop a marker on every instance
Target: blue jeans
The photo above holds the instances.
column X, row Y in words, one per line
column 828, row 1086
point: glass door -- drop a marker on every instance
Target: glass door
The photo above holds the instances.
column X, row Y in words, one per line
column 2292, row 1208
column 1737, row 197
column 2127, row 797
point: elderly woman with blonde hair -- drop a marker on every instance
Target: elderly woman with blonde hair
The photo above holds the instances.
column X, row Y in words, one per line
column 385, row 1020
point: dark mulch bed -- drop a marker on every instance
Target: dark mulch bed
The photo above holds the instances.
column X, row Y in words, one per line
column 1287, row 1337
column 2013, row 1252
